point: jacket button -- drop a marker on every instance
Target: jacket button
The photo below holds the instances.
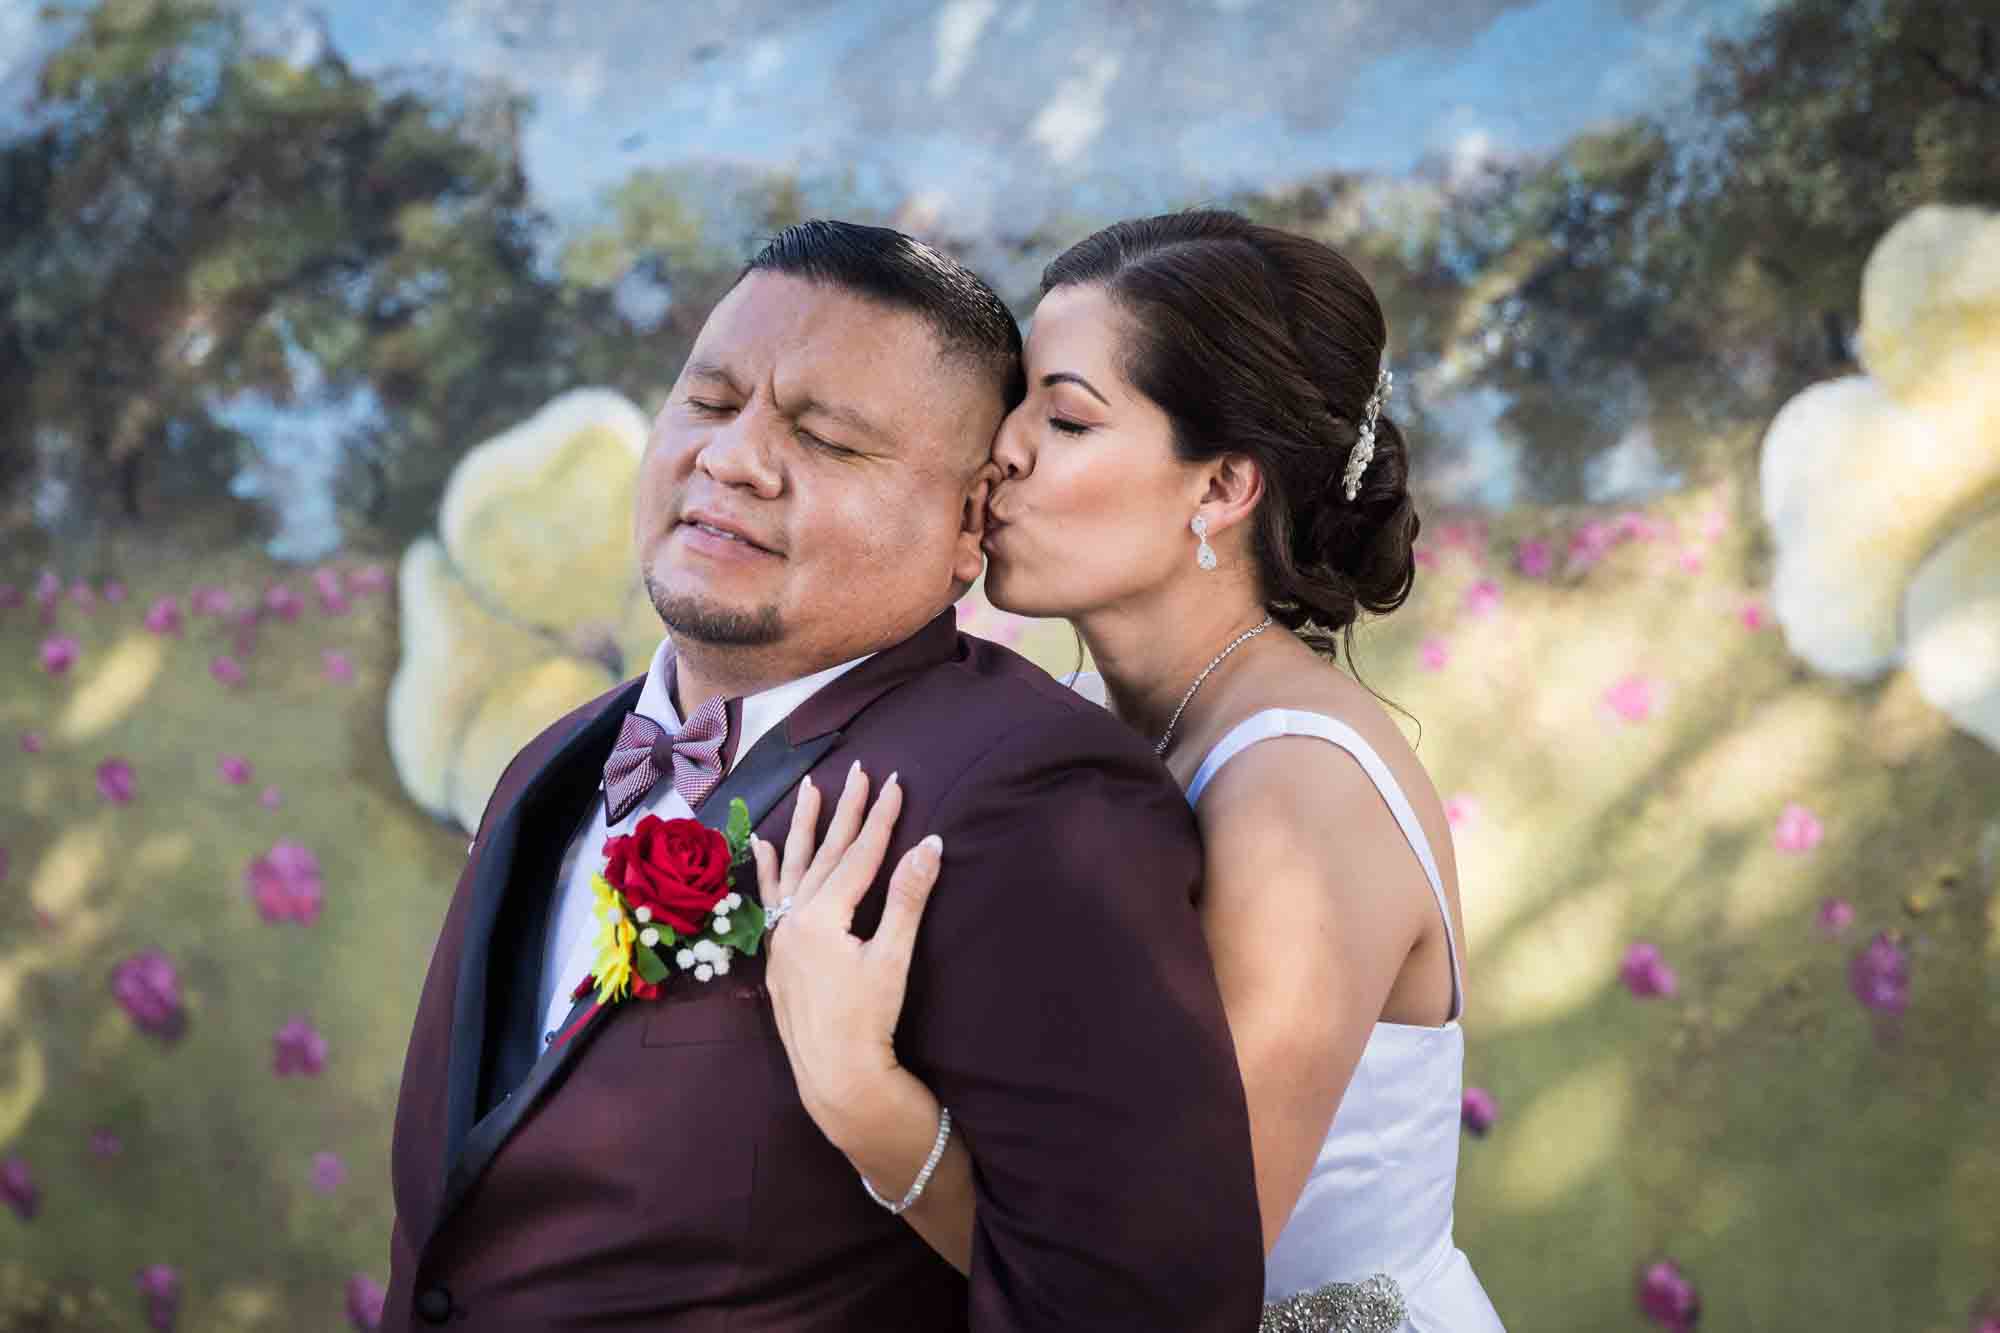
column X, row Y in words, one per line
column 434, row 1305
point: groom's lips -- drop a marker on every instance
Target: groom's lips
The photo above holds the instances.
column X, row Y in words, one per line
column 719, row 528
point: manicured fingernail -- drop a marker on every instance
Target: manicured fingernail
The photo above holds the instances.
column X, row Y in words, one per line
column 854, row 768
column 891, row 782
column 930, row 851
column 806, row 783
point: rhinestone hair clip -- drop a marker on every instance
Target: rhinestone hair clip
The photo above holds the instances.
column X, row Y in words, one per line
column 1364, row 448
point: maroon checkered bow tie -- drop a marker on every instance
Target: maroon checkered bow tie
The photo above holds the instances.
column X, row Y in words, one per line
column 647, row 752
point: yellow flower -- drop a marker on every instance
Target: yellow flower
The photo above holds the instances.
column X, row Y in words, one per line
column 614, row 943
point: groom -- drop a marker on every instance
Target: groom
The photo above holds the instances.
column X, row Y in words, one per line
column 810, row 506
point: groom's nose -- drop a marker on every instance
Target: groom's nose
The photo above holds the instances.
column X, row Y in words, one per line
column 740, row 452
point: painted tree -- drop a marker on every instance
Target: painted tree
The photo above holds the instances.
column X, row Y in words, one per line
column 199, row 219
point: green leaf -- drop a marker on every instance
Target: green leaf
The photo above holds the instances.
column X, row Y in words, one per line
column 648, row 965
column 738, row 832
column 746, row 928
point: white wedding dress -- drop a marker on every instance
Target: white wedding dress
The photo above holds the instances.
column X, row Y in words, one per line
column 1379, row 1199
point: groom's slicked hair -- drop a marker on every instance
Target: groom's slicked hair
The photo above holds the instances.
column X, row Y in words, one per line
column 884, row 265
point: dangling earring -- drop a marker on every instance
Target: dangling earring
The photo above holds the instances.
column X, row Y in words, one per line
column 1205, row 557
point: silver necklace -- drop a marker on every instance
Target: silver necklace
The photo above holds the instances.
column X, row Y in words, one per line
column 1241, row 639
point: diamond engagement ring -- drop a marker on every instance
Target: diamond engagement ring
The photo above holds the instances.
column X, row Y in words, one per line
column 777, row 914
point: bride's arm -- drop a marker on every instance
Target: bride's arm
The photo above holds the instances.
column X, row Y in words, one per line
column 888, row 1137
column 1309, row 916
column 840, row 1040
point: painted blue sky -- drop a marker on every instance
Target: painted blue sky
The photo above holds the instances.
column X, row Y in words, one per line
column 995, row 114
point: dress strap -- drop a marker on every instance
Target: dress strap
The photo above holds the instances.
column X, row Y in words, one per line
column 1275, row 722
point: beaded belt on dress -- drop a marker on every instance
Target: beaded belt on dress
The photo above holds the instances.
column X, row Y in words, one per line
column 1373, row 1306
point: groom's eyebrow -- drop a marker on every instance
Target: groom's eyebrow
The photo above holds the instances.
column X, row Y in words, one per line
column 843, row 415
column 1054, row 378
column 714, row 371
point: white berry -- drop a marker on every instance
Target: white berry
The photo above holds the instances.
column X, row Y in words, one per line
column 644, row 914
column 722, row 925
column 650, row 935
column 684, row 959
column 704, row 973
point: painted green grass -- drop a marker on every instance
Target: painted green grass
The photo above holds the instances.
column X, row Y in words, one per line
column 1807, row 1168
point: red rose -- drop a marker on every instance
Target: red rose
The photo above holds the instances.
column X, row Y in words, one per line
column 677, row 867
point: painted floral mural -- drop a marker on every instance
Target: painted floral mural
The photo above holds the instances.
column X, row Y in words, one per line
column 316, row 470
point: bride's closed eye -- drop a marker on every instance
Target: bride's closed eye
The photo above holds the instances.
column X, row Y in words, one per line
column 1068, row 427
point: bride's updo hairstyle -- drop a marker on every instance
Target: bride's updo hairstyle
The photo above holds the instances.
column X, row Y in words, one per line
column 1259, row 342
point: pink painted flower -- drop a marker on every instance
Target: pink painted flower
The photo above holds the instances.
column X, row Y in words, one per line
column 48, row 590
column 32, row 742
column 1646, row 974
column 1879, row 976
column 285, row 883
column 227, row 670
column 1714, row 523
column 104, row 1143
column 1753, row 615
column 1633, row 698
column 271, row 798
column 339, row 669
column 164, row 616
column 1477, row 1112
column 234, row 768
column 1469, row 537
column 1835, row 916
column 1535, row 559
column 114, row 592
column 1666, row 1297
column 1590, row 543
column 17, row 1187
column 1689, row 561
column 367, row 579
column 1798, row 831
column 1423, row 556
column 1461, row 810
column 1984, row 1322
column 332, row 592
column 298, row 1048
column 148, row 988
column 116, row 782
column 209, row 600
column 364, row 1303
column 328, row 1172
column 80, row 593
column 59, row 653
column 282, row 602
column 1482, row 599
column 1434, row 653
column 160, row 1288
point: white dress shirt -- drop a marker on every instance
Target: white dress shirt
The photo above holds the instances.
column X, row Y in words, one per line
column 571, row 947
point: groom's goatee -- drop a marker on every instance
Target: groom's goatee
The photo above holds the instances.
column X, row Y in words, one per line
column 704, row 622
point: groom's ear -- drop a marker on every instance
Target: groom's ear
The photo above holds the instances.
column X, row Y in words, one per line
column 968, row 560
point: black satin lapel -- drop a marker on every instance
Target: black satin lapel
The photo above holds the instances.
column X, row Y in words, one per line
column 771, row 769
column 767, row 773
column 489, row 888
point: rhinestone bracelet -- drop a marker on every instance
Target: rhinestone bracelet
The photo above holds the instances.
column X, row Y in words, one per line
column 923, row 1176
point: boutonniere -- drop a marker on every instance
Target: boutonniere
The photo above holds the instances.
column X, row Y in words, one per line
column 667, row 903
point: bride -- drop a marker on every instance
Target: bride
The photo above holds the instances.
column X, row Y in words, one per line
column 1203, row 479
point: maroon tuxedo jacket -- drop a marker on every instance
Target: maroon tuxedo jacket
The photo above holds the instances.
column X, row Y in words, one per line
column 657, row 1171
